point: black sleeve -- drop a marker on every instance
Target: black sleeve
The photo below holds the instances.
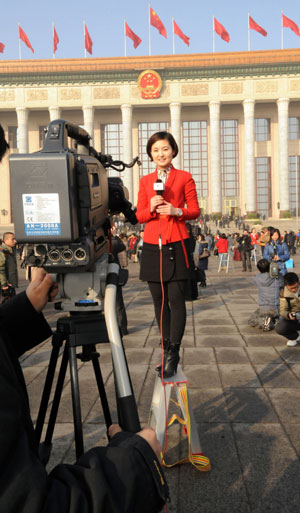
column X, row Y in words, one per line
column 124, row 477
column 25, row 327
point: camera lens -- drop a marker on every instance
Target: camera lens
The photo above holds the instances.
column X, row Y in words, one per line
column 54, row 255
column 67, row 255
column 80, row 254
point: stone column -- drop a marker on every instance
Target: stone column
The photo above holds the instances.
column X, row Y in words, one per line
column 215, row 161
column 88, row 120
column 175, row 112
column 127, row 175
column 55, row 113
column 283, row 117
column 22, row 133
column 250, row 179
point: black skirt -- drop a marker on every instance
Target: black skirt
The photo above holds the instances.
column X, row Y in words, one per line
column 173, row 262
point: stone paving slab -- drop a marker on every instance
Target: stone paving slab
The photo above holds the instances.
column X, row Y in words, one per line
column 244, row 386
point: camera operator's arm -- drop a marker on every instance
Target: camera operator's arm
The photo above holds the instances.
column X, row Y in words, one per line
column 123, row 477
column 20, row 315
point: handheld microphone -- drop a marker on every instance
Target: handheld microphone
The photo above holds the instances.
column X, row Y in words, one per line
column 159, row 187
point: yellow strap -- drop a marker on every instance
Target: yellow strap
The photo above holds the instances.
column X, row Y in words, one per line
column 199, row 461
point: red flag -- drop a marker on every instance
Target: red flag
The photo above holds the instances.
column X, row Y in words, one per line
column 25, row 39
column 221, row 31
column 179, row 33
column 2, row 46
column 286, row 22
column 55, row 40
column 254, row 26
column 88, row 43
column 156, row 22
column 136, row 39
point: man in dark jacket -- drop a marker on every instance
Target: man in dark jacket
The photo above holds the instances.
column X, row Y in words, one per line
column 124, row 477
column 245, row 248
column 8, row 265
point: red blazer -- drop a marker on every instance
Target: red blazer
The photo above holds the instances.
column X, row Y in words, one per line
column 180, row 190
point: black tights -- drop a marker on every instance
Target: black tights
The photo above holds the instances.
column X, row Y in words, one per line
column 174, row 314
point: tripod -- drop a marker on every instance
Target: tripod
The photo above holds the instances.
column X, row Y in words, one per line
column 87, row 329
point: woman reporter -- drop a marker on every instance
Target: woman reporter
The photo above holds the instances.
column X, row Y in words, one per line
column 164, row 263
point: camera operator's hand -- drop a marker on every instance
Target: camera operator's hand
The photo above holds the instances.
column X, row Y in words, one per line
column 291, row 316
column 147, row 433
column 155, row 202
column 150, row 436
column 41, row 289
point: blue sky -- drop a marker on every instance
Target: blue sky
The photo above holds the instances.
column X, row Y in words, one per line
column 105, row 21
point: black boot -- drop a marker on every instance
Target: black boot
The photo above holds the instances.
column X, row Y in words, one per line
column 171, row 362
column 167, row 343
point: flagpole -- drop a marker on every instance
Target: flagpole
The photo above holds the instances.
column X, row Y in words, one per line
column 20, row 55
column 125, row 47
column 248, row 35
column 173, row 35
column 149, row 30
column 281, row 32
column 213, row 35
column 84, row 38
column 53, row 38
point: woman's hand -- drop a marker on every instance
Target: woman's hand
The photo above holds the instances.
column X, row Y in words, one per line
column 155, row 202
column 167, row 209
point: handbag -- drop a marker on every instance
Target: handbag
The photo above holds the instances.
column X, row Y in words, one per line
column 205, row 254
column 216, row 252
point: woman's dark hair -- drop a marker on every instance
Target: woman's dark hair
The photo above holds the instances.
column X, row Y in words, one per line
column 160, row 136
column 263, row 265
column 223, row 236
column 290, row 278
column 201, row 236
column 3, row 144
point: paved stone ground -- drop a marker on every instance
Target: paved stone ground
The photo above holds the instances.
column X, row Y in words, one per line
column 244, row 387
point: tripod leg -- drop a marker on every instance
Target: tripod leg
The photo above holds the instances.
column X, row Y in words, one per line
column 101, row 390
column 45, row 450
column 125, row 397
column 76, row 402
column 56, row 343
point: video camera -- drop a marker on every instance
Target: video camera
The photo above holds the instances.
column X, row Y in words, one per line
column 62, row 198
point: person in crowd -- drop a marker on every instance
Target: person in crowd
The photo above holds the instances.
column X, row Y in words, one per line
column 201, row 259
column 132, row 242
column 277, row 251
column 8, row 265
column 245, row 248
column 191, row 290
column 289, row 309
column 291, row 242
column 264, row 238
column 209, row 239
column 268, row 298
column 118, row 248
column 123, row 476
column 139, row 247
column 222, row 247
column 123, row 257
column 165, row 262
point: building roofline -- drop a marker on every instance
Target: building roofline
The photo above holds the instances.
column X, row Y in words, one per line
column 203, row 60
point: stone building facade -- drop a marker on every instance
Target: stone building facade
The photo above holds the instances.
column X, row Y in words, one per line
column 235, row 116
